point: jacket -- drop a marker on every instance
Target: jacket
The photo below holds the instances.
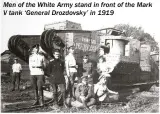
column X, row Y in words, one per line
column 55, row 71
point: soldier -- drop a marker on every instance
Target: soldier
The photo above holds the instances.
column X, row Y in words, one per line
column 84, row 93
column 87, row 68
column 102, row 66
column 101, row 90
column 71, row 69
column 55, row 71
column 17, row 69
column 36, row 66
column 103, row 50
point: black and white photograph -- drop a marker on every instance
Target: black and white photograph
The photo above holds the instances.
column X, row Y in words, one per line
column 80, row 56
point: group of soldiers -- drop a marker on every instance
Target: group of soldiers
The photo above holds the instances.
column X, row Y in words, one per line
column 62, row 76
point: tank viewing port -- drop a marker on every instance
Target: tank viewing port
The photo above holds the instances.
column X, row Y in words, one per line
column 115, row 44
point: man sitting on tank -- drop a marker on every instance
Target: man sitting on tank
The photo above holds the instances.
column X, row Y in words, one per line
column 103, row 69
column 101, row 66
column 101, row 90
column 84, row 95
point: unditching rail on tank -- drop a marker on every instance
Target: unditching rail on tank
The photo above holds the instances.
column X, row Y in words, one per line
column 19, row 47
column 50, row 40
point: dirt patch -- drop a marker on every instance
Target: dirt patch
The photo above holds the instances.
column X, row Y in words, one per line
column 141, row 102
column 14, row 96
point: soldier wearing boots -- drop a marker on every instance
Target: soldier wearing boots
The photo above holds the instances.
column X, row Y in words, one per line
column 71, row 70
column 55, row 71
column 36, row 66
column 17, row 69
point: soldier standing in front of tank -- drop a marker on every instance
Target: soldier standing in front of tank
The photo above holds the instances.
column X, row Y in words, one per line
column 71, row 69
column 36, row 66
column 55, row 71
column 17, row 69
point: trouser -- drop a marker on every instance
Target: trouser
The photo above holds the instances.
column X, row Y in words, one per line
column 16, row 76
column 71, row 83
column 37, row 83
column 55, row 92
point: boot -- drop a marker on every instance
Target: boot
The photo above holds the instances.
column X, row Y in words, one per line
column 36, row 98
column 85, row 105
column 55, row 104
column 64, row 100
column 13, row 86
column 36, row 102
column 41, row 100
column 73, row 92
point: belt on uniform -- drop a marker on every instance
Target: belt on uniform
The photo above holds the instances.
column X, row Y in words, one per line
column 37, row 67
column 72, row 66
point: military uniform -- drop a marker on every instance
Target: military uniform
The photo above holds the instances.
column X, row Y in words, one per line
column 17, row 68
column 85, row 91
column 88, row 71
column 71, row 71
column 36, row 66
column 55, row 71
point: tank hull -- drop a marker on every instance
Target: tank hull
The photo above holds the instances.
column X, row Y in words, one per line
column 128, row 70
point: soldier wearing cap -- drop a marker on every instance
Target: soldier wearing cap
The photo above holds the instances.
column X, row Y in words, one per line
column 87, row 68
column 55, row 71
column 101, row 90
column 17, row 69
column 36, row 66
column 71, row 69
column 103, row 50
column 84, row 93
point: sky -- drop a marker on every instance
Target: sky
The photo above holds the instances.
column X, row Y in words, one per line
column 146, row 17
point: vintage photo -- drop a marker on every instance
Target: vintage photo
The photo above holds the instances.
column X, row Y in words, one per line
column 67, row 69
column 75, row 64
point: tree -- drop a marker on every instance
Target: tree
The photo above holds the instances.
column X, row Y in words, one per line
column 139, row 34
